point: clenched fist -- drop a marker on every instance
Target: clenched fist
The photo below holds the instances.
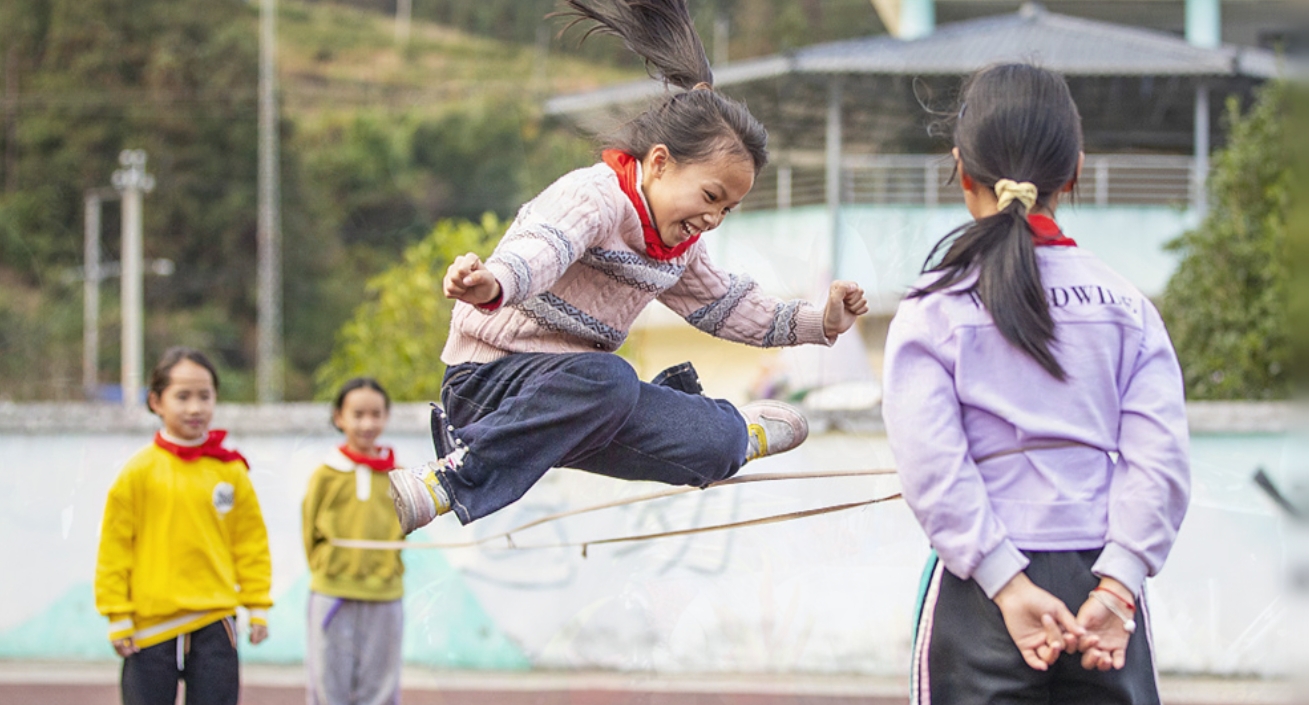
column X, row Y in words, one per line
column 845, row 303
column 469, row 281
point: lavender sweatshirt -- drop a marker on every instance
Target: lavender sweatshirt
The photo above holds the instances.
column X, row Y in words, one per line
column 957, row 391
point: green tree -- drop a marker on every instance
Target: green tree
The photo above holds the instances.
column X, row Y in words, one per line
column 1226, row 306
column 89, row 79
column 757, row 27
column 397, row 334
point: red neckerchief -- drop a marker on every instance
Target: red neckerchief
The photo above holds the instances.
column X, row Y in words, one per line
column 624, row 165
column 382, row 463
column 1046, row 232
column 211, row 448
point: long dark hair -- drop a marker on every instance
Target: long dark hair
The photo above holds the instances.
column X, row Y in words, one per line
column 695, row 124
column 1017, row 122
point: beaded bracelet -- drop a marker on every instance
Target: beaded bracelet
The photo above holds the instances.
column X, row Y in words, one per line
column 1126, row 602
column 1125, row 616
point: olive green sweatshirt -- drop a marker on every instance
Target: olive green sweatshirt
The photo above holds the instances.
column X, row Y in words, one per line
column 346, row 500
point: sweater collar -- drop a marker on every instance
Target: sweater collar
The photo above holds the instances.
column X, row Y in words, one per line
column 628, row 169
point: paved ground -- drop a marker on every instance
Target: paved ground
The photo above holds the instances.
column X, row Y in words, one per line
column 103, row 695
column 24, row 683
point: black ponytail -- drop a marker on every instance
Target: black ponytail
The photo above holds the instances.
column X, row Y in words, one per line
column 1015, row 122
column 659, row 31
column 696, row 124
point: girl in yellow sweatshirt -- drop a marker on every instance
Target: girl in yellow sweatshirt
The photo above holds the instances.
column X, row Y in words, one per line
column 182, row 546
column 356, row 622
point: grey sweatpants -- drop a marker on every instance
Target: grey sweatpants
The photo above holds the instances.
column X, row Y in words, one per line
column 353, row 654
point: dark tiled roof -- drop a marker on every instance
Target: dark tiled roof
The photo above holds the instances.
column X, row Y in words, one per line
column 1070, row 45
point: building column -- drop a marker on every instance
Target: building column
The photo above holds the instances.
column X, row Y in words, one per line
column 917, row 18
column 833, row 168
column 1204, row 23
column 1200, row 167
column 784, row 175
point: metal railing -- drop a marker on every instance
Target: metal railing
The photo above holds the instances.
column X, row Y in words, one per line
column 925, row 180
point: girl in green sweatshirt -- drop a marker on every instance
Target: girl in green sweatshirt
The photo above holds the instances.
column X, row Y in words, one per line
column 356, row 621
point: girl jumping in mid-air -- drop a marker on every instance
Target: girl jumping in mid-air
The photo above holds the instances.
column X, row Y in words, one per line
column 533, row 381
column 1034, row 405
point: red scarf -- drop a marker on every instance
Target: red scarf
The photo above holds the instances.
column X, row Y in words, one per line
column 382, row 463
column 1046, row 232
column 211, row 448
column 624, row 165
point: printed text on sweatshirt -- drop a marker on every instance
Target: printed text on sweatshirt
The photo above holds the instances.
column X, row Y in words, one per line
column 1107, row 464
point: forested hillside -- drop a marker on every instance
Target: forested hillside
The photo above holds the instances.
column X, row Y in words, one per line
column 380, row 140
column 754, row 27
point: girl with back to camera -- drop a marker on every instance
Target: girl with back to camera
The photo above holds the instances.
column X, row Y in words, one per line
column 182, row 546
column 1035, row 408
column 533, row 381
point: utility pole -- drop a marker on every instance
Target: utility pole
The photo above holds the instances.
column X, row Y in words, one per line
column 541, row 64
column 268, row 353
column 95, row 270
column 11, row 119
column 722, row 32
column 132, row 181
column 91, row 276
column 404, row 11
column 91, row 297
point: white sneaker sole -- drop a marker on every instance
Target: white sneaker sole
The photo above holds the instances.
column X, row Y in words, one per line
column 414, row 506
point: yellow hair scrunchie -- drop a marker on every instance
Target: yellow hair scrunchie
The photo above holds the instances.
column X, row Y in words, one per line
column 1009, row 191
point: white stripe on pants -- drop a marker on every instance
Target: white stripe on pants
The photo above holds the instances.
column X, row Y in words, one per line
column 356, row 659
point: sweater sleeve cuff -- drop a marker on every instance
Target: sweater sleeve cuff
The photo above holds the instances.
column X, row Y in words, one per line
column 1122, row 565
column 494, row 304
column 999, row 567
column 121, row 627
column 809, row 326
column 508, row 294
column 259, row 616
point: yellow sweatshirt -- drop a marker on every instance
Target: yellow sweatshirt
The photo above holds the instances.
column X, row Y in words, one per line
column 182, row 545
column 345, row 500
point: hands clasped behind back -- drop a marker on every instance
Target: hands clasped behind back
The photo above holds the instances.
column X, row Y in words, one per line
column 1042, row 627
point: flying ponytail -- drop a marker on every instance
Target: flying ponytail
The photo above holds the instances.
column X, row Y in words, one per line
column 659, row 31
column 695, row 124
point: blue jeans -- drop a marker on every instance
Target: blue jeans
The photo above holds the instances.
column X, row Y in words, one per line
column 525, row 413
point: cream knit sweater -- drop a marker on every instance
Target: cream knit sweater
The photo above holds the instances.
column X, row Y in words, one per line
column 574, row 275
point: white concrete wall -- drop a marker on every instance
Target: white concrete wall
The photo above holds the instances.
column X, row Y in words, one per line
column 828, row 594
